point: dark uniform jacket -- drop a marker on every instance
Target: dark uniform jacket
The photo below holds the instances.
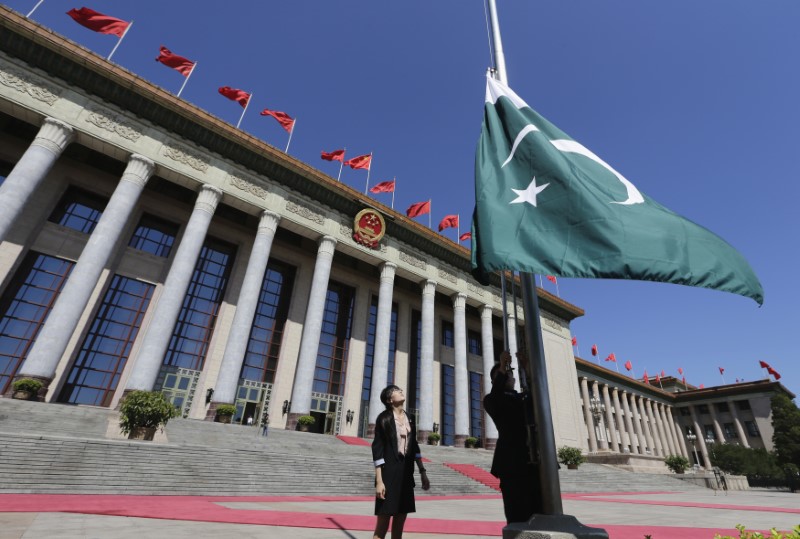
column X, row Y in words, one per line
column 507, row 410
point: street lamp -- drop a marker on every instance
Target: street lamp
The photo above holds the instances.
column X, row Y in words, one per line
column 693, row 438
column 710, row 443
column 597, row 408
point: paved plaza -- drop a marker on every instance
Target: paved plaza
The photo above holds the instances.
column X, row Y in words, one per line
column 626, row 516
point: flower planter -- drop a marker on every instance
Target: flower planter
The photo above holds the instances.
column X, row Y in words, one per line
column 22, row 395
column 223, row 419
column 142, row 433
column 572, row 466
column 302, row 428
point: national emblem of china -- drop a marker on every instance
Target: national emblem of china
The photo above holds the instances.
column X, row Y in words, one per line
column 368, row 228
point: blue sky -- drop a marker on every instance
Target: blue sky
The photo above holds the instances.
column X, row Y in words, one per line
column 695, row 102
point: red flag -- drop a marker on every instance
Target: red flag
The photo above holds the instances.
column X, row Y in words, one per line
column 721, row 370
column 574, row 341
column 683, row 380
column 774, row 373
column 701, row 386
column 552, row 279
column 240, row 96
column 658, row 379
column 383, row 187
column 336, row 155
column 680, row 371
column 628, row 365
column 594, row 349
column 449, row 221
column 99, row 22
column 360, row 162
column 419, row 208
column 465, row 236
column 612, row 357
column 646, row 379
column 662, row 373
column 179, row 63
column 764, row 365
column 286, row 121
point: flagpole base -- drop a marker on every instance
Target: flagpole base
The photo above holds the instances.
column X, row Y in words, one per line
column 552, row 527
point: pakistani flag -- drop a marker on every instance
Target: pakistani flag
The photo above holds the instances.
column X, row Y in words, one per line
column 546, row 204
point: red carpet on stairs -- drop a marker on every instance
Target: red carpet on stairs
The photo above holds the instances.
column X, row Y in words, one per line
column 476, row 474
column 353, row 440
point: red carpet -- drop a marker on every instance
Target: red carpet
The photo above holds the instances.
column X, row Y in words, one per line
column 476, row 474
column 353, row 440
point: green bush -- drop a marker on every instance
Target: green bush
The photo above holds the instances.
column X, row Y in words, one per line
column 774, row 534
column 226, row 409
column 306, row 420
column 149, row 409
column 434, row 437
column 471, row 441
column 677, row 463
column 570, row 456
column 751, row 462
column 27, row 384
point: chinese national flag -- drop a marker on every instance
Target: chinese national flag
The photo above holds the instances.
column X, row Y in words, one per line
column 658, row 379
column 774, row 373
column 240, row 96
column 420, row 208
column 449, row 221
column 286, row 121
column 663, row 374
column 465, row 236
column 701, row 386
column 646, row 378
column 683, row 380
column 99, row 22
column 628, row 365
column 680, row 371
column 383, row 187
column 574, row 341
column 721, row 370
column 612, row 357
column 764, row 365
column 336, row 155
column 178, row 63
column 552, row 279
column 360, row 162
column 594, row 349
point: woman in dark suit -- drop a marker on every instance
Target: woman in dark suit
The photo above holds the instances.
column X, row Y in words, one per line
column 394, row 451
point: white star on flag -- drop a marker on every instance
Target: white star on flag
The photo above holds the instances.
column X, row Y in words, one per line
column 528, row 195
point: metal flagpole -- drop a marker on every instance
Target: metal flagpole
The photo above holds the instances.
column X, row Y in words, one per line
column 458, row 227
column 430, row 213
column 39, row 3
column 393, row 190
column 550, row 510
column 187, row 79
column 341, row 165
column 249, row 99
column 505, row 310
column 294, row 124
column 369, row 169
column 125, row 33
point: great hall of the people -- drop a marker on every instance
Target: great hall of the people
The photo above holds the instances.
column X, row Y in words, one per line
column 148, row 245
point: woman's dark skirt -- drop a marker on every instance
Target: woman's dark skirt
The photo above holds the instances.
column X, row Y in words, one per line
column 398, row 478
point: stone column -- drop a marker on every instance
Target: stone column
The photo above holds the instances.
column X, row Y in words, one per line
column 236, row 346
column 380, row 358
column 701, row 442
column 632, row 439
column 642, row 409
column 603, row 436
column 425, row 426
column 159, row 332
column 738, row 424
column 717, row 427
column 621, row 422
column 662, row 424
column 31, row 170
column 487, row 346
column 638, row 425
column 312, row 329
column 648, row 406
column 613, row 441
column 461, row 373
column 587, row 415
column 679, row 437
column 51, row 343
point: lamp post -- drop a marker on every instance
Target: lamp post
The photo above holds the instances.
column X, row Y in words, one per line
column 710, row 443
column 597, row 408
column 693, row 439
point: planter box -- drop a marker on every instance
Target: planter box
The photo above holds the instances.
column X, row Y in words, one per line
column 22, row 395
column 142, row 433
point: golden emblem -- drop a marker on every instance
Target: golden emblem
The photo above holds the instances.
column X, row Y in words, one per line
column 368, row 228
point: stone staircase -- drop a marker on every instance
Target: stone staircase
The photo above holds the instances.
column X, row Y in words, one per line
column 52, row 448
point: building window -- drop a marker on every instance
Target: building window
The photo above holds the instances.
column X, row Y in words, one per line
column 369, row 357
column 192, row 333
column 448, row 336
column 730, row 432
column 709, row 429
column 752, row 429
column 154, row 236
column 474, row 343
column 685, row 412
column 743, row 405
column 266, row 335
column 448, row 405
column 412, row 392
column 476, row 405
column 703, row 408
column 105, row 350
column 722, row 407
column 334, row 339
column 79, row 210
column 24, row 308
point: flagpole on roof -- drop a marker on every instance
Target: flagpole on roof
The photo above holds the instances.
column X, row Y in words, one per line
column 294, row 124
column 341, row 165
column 458, row 225
column 430, row 213
column 369, row 169
column 125, row 33
column 393, row 190
column 39, row 3
column 249, row 99
column 194, row 65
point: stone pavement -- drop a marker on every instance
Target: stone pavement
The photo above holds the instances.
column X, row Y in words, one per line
column 625, row 516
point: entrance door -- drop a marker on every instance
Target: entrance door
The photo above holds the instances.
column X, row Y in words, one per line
column 252, row 400
column 179, row 386
column 326, row 409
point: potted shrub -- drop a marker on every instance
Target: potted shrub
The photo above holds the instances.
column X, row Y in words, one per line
column 433, row 438
column 224, row 413
column 677, row 463
column 26, row 388
column 142, row 412
column 471, row 442
column 571, row 456
column 305, row 421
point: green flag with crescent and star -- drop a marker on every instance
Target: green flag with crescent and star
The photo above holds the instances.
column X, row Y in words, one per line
column 546, row 204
